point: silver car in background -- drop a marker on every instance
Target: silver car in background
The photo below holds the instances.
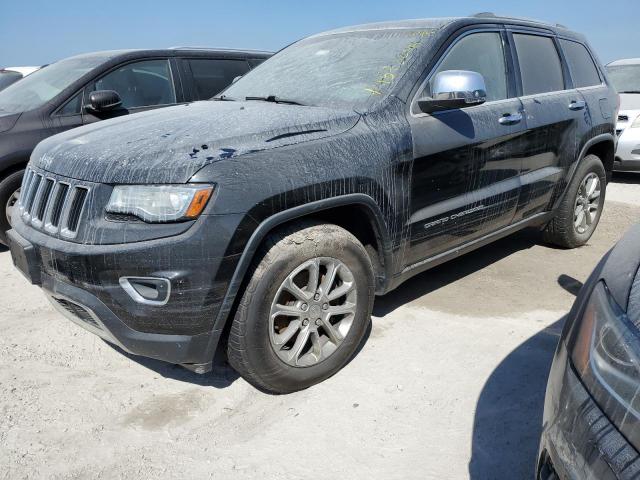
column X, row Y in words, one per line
column 625, row 76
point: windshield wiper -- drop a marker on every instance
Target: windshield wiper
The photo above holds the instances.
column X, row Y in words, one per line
column 630, row 91
column 224, row 98
column 274, row 99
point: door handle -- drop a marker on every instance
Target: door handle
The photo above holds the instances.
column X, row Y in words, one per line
column 510, row 119
column 577, row 105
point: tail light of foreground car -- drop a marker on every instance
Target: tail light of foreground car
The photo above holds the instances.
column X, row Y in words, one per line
column 606, row 355
column 160, row 203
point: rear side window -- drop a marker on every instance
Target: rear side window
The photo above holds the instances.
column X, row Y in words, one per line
column 141, row 84
column 540, row 65
column 72, row 107
column 583, row 70
column 481, row 53
column 210, row 77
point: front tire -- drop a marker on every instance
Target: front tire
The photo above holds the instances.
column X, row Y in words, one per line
column 305, row 310
column 9, row 191
column 581, row 209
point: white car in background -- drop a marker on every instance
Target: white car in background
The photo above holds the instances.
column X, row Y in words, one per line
column 625, row 77
column 11, row 75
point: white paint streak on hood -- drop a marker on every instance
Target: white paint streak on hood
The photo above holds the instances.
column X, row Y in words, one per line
column 169, row 145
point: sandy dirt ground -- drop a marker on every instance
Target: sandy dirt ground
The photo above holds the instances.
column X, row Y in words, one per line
column 450, row 383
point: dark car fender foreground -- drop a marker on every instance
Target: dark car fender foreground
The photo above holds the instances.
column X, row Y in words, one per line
column 579, row 440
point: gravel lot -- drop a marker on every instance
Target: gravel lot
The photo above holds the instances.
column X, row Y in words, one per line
column 450, row 383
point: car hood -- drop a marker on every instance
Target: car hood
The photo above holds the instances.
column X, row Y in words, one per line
column 170, row 145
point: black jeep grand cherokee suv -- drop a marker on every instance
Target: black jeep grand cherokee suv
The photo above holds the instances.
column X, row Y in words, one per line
column 266, row 221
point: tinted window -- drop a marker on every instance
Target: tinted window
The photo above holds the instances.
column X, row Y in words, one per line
column 36, row 89
column 73, row 106
column 212, row 76
column 254, row 62
column 140, row 84
column 583, row 71
column 481, row 53
column 540, row 65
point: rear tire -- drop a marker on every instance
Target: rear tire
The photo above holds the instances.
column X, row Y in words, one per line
column 281, row 353
column 581, row 209
column 9, row 187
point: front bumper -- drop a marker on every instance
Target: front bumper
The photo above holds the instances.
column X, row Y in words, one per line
column 83, row 283
column 578, row 440
column 627, row 158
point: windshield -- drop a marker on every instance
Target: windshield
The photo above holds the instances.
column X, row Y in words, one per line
column 625, row 78
column 341, row 71
column 38, row 88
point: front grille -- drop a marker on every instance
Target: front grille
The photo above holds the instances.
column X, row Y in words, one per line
column 52, row 204
column 78, row 312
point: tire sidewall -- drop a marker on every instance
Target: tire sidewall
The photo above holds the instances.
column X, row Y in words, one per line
column 7, row 187
column 259, row 349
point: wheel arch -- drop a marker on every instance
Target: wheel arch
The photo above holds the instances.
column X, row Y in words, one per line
column 604, row 147
column 336, row 210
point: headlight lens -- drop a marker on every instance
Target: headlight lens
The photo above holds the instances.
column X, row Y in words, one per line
column 606, row 354
column 160, row 203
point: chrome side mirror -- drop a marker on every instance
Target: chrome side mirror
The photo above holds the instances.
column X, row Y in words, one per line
column 454, row 89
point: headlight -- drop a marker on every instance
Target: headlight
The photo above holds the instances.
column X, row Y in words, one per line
column 160, row 203
column 606, row 354
column 636, row 122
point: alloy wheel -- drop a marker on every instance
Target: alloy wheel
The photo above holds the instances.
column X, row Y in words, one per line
column 587, row 203
column 11, row 204
column 313, row 312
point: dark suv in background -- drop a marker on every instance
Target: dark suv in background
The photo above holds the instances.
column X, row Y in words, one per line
column 342, row 166
column 96, row 86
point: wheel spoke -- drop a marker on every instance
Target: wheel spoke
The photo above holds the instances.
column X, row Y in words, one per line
column 314, row 276
column 341, row 309
column 341, row 291
column 298, row 347
column 329, row 279
column 296, row 291
column 577, row 211
column 592, row 185
column 316, row 345
column 334, row 334
column 286, row 311
column 580, row 219
column 284, row 337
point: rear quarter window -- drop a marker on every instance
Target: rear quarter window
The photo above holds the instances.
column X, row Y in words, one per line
column 540, row 66
column 210, row 77
column 581, row 65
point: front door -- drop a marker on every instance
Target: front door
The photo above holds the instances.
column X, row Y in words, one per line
column 467, row 162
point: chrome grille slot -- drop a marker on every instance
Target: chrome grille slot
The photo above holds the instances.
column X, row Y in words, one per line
column 43, row 200
column 60, row 198
column 33, row 190
column 77, row 205
column 53, row 204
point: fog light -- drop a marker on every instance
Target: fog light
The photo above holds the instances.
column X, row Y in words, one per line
column 147, row 290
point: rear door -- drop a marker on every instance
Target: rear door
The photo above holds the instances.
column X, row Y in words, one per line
column 467, row 161
column 142, row 85
column 209, row 76
column 554, row 118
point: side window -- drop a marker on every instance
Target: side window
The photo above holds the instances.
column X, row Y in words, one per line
column 482, row 53
column 254, row 62
column 140, row 84
column 212, row 76
column 540, row 65
column 72, row 107
column 583, row 70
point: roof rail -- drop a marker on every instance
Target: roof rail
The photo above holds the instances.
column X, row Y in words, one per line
column 183, row 47
column 508, row 17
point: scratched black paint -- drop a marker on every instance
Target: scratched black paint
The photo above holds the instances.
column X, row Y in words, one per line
column 275, row 162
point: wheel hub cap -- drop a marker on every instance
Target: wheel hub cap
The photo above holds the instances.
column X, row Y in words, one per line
column 312, row 312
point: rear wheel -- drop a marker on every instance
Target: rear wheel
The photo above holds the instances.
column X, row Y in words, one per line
column 9, row 194
column 305, row 310
column 581, row 209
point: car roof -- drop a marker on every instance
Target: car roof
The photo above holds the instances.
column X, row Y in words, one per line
column 624, row 61
column 176, row 52
column 440, row 23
